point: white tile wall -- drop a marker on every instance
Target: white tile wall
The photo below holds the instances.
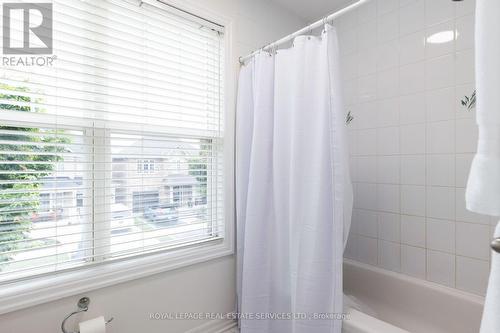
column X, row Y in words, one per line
column 441, row 268
column 412, row 140
column 413, row 261
column 413, row 230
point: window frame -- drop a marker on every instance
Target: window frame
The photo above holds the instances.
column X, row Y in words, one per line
column 44, row 288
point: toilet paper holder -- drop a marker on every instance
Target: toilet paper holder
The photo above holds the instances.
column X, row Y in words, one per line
column 83, row 306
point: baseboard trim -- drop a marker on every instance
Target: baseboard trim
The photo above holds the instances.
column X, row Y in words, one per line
column 215, row 326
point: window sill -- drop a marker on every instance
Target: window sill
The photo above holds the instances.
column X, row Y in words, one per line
column 30, row 292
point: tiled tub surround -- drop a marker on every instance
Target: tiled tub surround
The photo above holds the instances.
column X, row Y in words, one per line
column 406, row 66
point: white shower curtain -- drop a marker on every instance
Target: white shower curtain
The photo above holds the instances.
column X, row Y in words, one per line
column 293, row 189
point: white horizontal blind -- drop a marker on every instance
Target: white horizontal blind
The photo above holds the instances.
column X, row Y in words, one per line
column 116, row 149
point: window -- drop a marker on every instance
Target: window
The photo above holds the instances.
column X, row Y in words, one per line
column 79, row 200
column 117, row 149
column 146, row 166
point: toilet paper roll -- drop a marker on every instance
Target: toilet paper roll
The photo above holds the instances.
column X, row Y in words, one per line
column 96, row 325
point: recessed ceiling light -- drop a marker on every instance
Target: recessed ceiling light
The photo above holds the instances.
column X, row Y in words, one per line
column 441, row 37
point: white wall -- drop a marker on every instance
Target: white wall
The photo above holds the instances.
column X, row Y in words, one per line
column 208, row 287
column 412, row 141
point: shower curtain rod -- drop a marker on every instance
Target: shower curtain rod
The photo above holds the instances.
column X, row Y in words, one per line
column 309, row 28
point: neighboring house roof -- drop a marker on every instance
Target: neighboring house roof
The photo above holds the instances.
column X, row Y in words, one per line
column 166, row 148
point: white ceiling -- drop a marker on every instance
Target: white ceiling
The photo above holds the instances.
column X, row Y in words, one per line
column 312, row 10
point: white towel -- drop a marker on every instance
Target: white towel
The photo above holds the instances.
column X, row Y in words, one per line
column 483, row 188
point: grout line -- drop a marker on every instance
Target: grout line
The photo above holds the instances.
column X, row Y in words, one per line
column 426, row 150
column 455, row 148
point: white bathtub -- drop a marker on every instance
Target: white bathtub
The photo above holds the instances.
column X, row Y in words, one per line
column 394, row 303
